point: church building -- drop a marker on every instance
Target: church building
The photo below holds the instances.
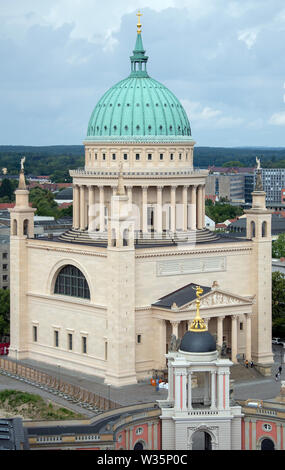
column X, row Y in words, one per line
column 107, row 297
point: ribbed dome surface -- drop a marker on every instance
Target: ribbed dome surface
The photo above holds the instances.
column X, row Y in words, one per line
column 139, row 108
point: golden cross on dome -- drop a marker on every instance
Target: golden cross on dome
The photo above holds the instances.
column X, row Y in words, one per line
column 139, row 14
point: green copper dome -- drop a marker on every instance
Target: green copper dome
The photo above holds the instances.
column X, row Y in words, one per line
column 139, row 109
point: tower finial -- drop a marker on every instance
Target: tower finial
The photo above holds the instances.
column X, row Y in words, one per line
column 22, row 183
column 198, row 323
column 139, row 14
column 120, row 187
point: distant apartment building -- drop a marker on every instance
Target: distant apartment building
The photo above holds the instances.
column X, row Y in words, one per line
column 273, row 181
column 229, row 186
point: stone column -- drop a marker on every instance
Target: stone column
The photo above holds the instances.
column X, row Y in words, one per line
column 175, row 325
column 234, row 338
column 76, row 220
column 91, row 210
column 183, row 390
column 203, row 205
column 130, row 196
column 177, row 388
column 220, row 331
column 101, row 208
column 173, row 209
column 82, row 207
column 220, row 398
column 185, row 208
column 159, row 210
column 144, row 209
column 213, row 389
column 199, row 207
column 190, row 390
column 193, row 208
column 248, row 337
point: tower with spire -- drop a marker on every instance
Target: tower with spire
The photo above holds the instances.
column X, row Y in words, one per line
column 22, row 229
column 121, row 344
column 258, row 229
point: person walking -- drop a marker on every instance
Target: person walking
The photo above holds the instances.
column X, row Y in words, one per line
column 251, row 363
column 246, row 363
column 280, row 369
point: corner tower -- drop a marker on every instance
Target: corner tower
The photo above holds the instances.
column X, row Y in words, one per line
column 22, row 228
column 258, row 220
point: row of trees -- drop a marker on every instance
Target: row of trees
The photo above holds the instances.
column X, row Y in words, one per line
column 41, row 199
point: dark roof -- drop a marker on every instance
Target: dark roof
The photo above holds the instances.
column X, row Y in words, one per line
column 64, row 194
column 238, row 228
column 181, row 297
column 198, row 342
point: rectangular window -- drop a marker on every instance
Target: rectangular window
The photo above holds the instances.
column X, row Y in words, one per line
column 5, row 278
column 139, row 339
column 137, row 156
column 241, row 326
column 35, row 334
column 161, row 156
column 84, row 344
column 104, row 156
column 56, row 339
column 114, row 156
column 149, row 156
column 125, row 156
column 70, row 341
column 95, row 156
column 171, row 156
column 4, row 267
column 180, row 156
column 5, row 255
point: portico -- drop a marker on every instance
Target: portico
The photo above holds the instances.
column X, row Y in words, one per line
column 227, row 315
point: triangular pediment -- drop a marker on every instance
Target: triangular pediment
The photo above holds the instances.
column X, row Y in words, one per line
column 218, row 298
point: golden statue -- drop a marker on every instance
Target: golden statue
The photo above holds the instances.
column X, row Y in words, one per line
column 198, row 323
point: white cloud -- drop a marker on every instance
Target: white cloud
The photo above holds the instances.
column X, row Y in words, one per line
column 278, row 119
column 248, row 37
column 207, row 117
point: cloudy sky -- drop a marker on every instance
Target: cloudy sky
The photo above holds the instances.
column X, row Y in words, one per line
column 224, row 59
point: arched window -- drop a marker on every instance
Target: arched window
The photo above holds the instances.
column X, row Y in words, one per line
column 71, row 281
column 267, row 444
column 264, row 229
column 252, row 229
column 25, row 227
column 14, row 227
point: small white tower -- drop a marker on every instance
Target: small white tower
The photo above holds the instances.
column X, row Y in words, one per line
column 120, row 341
column 258, row 228
column 22, row 228
column 199, row 418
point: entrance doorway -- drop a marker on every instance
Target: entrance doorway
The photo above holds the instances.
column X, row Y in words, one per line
column 201, row 440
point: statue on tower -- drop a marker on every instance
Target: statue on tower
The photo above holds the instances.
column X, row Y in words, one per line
column 22, row 163
column 258, row 184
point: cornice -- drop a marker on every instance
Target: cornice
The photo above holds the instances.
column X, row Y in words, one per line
column 152, row 254
column 63, row 249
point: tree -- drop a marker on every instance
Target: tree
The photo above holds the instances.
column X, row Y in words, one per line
column 219, row 212
column 4, row 312
column 7, row 189
column 278, row 304
column 278, row 247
